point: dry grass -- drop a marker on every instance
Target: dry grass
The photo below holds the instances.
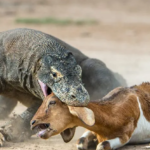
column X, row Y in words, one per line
column 55, row 21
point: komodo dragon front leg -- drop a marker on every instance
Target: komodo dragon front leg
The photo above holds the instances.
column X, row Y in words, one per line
column 18, row 127
column 6, row 106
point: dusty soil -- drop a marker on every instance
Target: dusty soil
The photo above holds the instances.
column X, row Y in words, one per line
column 120, row 39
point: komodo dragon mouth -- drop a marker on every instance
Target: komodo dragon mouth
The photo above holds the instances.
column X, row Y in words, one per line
column 43, row 130
column 45, row 89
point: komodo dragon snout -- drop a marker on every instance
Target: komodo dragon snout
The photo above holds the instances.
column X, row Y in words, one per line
column 61, row 74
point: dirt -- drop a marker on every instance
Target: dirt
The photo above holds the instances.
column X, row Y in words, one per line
column 120, row 39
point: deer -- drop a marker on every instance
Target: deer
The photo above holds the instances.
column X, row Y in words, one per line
column 119, row 118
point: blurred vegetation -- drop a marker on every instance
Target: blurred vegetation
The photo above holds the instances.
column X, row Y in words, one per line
column 55, row 21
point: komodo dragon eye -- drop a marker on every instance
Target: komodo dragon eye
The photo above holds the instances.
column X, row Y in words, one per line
column 54, row 74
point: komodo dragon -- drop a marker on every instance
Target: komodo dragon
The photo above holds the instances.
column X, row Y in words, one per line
column 32, row 64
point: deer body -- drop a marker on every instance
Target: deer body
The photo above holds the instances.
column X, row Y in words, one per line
column 121, row 117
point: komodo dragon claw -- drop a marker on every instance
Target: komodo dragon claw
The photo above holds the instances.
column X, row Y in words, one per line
column 2, row 138
column 17, row 134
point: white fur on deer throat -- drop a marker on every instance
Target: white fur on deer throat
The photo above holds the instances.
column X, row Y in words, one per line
column 141, row 133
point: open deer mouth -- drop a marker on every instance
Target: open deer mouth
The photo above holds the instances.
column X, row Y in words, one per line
column 45, row 89
column 42, row 126
column 42, row 129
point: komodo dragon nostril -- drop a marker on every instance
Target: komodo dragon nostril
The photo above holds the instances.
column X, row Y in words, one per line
column 73, row 96
column 33, row 122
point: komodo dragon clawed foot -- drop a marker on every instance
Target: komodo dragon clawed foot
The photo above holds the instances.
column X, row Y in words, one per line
column 16, row 131
column 2, row 138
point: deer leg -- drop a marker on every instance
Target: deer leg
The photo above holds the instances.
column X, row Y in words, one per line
column 83, row 142
column 113, row 143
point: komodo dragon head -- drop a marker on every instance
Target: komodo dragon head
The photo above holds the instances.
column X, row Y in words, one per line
column 58, row 72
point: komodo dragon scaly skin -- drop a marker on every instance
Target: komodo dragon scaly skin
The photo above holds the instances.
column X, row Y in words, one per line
column 32, row 64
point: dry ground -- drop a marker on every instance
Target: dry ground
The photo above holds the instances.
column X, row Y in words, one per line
column 120, row 39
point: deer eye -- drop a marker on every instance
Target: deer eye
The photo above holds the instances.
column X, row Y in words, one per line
column 52, row 103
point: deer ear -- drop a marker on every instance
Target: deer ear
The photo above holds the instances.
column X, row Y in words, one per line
column 68, row 134
column 85, row 114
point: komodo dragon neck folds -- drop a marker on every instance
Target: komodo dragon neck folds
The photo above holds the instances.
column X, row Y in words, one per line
column 32, row 64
